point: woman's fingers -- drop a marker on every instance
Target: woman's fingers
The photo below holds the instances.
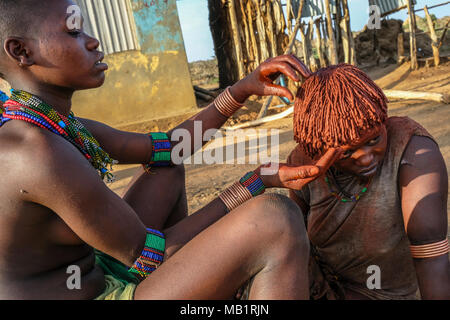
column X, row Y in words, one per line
column 295, row 173
column 296, row 63
column 275, row 67
column 327, row 160
column 276, row 90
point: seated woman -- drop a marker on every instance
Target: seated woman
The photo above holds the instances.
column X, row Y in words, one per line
column 55, row 208
column 377, row 220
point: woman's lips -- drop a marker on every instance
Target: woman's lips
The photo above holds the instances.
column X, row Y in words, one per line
column 101, row 66
column 369, row 170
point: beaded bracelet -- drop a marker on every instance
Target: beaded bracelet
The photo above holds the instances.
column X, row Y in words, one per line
column 430, row 250
column 152, row 255
column 249, row 186
column 161, row 148
column 226, row 104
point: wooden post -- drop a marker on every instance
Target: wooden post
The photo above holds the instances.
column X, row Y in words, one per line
column 348, row 30
column 323, row 63
column 289, row 16
column 400, row 49
column 304, row 45
column 338, row 29
column 252, row 33
column 261, row 32
column 247, row 42
column 434, row 38
column 297, row 27
column 331, row 38
column 441, row 41
column 412, row 35
column 325, row 39
column 270, row 30
column 310, row 36
column 236, row 38
column 345, row 41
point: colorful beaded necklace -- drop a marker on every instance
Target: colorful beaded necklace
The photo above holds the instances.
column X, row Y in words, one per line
column 27, row 107
column 347, row 197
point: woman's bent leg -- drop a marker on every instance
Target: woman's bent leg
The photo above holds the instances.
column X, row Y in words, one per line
column 159, row 197
column 264, row 238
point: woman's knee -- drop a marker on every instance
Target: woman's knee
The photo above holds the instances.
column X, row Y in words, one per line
column 279, row 215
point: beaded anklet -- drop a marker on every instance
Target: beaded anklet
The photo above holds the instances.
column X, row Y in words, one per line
column 430, row 250
column 226, row 104
column 161, row 148
column 249, row 186
column 152, row 255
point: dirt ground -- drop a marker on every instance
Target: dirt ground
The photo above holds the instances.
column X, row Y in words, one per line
column 205, row 182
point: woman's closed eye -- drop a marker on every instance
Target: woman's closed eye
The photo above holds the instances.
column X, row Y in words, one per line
column 75, row 32
column 374, row 141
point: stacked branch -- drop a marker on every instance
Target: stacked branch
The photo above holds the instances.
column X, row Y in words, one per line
column 248, row 32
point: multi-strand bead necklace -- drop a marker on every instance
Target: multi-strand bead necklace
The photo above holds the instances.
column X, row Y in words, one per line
column 27, row 107
column 346, row 196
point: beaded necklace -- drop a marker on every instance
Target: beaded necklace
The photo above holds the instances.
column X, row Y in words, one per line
column 347, row 197
column 27, row 107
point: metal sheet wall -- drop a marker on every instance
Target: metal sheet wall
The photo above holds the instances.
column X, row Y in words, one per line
column 111, row 22
column 312, row 8
column 389, row 5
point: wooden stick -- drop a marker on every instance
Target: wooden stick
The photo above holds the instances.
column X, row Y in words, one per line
column 261, row 32
column 212, row 94
column 236, row 38
column 323, row 63
column 259, row 121
column 304, row 46
column 351, row 42
column 331, row 38
column 203, row 96
column 250, row 53
column 252, row 33
column 441, row 41
column 270, row 30
column 289, row 16
column 412, row 36
column 309, row 36
column 400, row 48
column 298, row 27
column 413, row 95
column 433, row 36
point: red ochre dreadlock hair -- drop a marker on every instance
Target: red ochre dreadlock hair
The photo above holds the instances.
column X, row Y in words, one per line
column 334, row 106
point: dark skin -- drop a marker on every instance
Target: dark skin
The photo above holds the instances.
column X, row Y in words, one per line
column 55, row 208
column 423, row 186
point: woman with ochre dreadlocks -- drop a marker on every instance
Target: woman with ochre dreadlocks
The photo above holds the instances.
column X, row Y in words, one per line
column 377, row 220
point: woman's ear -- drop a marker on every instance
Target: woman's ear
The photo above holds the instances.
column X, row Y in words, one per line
column 18, row 51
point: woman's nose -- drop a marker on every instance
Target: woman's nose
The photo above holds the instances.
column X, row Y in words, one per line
column 92, row 43
column 363, row 158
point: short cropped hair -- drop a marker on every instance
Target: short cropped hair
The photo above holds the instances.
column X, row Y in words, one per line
column 18, row 18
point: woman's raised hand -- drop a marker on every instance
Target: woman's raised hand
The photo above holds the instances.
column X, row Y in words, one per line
column 296, row 177
column 261, row 81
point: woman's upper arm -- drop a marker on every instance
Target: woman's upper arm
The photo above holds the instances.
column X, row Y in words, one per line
column 126, row 147
column 423, row 185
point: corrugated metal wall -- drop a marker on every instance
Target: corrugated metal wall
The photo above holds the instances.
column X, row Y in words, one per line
column 317, row 7
column 313, row 8
column 389, row 5
column 111, row 22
